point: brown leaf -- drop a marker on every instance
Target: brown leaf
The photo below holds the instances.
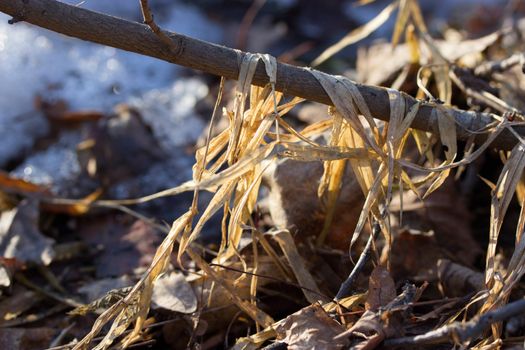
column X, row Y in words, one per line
column 20, row 236
column 126, row 246
column 173, row 292
column 19, row 302
column 375, row 326
column 381, row 288
column 458, row 280
column 10, row 184
column 436, row 228
column 26, row 339
column 310, row 328
column 290, row 180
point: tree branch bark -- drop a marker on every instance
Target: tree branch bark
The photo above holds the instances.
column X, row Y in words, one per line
column 219, row 60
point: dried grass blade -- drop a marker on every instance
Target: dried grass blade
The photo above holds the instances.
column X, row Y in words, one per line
column 401, row 21
column 372, row 198
column 240, row 213
column 447, row 134
column 305, row 279
column 251, row 310
column 357, row 34
column 307, row 153
column 134, row 301
column 501, row 197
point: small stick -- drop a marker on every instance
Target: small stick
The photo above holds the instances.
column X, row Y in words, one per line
column 462, row 332
column 482, row 96
column 346, row 288
column 488, row 68
column 148, row 20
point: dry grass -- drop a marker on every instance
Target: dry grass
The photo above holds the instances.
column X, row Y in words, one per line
column 230, row 166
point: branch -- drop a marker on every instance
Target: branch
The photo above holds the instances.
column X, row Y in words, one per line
column 219, row 60
column 460, row 331
column 347, row 286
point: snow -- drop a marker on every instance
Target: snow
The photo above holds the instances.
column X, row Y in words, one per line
column 36, row 62
column 179, row 126
column 56, row 168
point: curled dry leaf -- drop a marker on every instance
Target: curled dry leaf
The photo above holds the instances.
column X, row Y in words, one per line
column 386, row 322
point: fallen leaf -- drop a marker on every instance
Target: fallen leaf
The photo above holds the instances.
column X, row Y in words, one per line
column 11, row 184
column 381, row 288
column 458, row 280
column 290, row 180
column 26, row 338
column 20, row 236
column 388, row 321
column 436, row 228
column 20, row 301
column 125, row 246
column 310, row 328
column 174, row 293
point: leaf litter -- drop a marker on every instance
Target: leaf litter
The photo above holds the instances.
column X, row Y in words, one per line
column 389, row 161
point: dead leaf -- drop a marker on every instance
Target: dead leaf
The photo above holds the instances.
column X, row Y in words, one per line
column 373, row 69
column 26, row 338
column 122, row 139
column 20, row 236
column 381, row 288
column 172, row 292
column 19, row 302
column 290, row 180
column 97, row 289
column 14, row 185
column 125, row 245
column 436, row 228
column 310, row 328
column 388, row 321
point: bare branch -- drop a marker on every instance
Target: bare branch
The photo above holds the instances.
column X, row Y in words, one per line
column 490, row 68
column 148, row 20
column 461, row 331
column 219, row 60
column 347, row 286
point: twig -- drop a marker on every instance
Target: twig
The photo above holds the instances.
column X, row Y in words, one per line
column 55, row 296
column 219, row 60
column 462, row 332
column 482, row 96
column 491, row 67
column 347, row 286
column 148, row 20
column 296, row 285
column 246, row 23
column 58, row 339
column 278, row 345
